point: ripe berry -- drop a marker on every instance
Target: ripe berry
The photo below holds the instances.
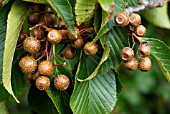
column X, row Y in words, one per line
column 69, row 52
column 21, row 37
column 72, row 37
column 37, row 33
column 50, row 19
column 28, row 64
column 144, row 50
column 61, row 82
column 38, row 7
column 145, row 64
column 42, row 82
column 54, row 36
column 122, row 19
column 127, row 53
column 90, row 48
column 35, row 76
column 31, row 45
column 33, row 19
column 46, row 68
column 140, row 30
column 132, row 64
column 134, row 19
column 78, row 43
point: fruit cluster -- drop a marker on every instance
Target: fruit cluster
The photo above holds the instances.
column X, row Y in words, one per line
column 133, row 21
column 38, row 46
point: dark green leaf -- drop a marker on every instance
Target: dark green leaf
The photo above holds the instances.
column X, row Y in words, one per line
column 161, row 52
column 14, row 24
column 63, row 8
column 3, row 108
column 36, row 1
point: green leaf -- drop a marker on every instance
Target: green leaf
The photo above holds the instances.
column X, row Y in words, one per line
column 96, row 96
column 3, row 3
column 36, row 1
column 119, row 6
column 161, row 52
column 63, row 8
column 39, row 102
column 158, row 16
column 3, row 25
column 84, row 10
column 14, row 24
column 103, row 59
column 107, row 5
column 3, row 108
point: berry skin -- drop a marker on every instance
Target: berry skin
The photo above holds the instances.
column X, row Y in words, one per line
column 134, row 19
column 50, row 19
column 127, row 53
column 132, row 64
column 72, row 37
column 42, row 82
column 144, row 50
column 33, row 19
column 61, row 82
column 145, row 64
column 90, row 48
column 122, row 19
column 140, row 30
column 54, row 36
column 69, row 52
column 21, row 37
column 37, row 33
column 46, row 68
column 38, row 7
column 28, row 64
column 31, row 45
column 78, row 43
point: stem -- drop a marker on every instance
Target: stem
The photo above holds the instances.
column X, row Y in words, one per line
column 50, row 53
column 40, row 57
column 46, row 50
column 138, row 38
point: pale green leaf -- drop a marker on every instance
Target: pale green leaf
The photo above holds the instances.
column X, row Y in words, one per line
column 14, row 24
column 36, row 1
column 64, row 9
column 107, row 5
column 3, row 108
column 161, row 52
column 158, row 16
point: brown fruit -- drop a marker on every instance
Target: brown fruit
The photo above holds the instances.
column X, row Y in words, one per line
column 61, row 82
column 78, row 43
column 50, row 19
column 54, row 36
column 140, row 30
column 90, row 48
column 42, row 82
column 145, row 64
column 127, row 53
column 134, row 19
column 37, row 33
column 46, row 68
column 31, row 45
column 144, row 50
column 72, row 37
column 132, row 64
column 38, row 7
column 33, row 19
column 28, row 64
column 122, row 19
column 21, row 37
column 69, row 52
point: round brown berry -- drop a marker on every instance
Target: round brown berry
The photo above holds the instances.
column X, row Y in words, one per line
column 37, row 33
column 42, row 82
column 21, row 37
column 145, row 64
column 38, row 7
column 69, row 52
column 122, row 19
column 33, row 19
column 127, row 53
column 144, row 50
column 31, row 45
column 90, row 48
column 61, row 82
column 78, row 43
column 46, row 68
column 132, row 64
column 54, row 36
column 50, row 19
column 140, row 30
column 28, row 64
column 72, row 37
column 134, row 19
